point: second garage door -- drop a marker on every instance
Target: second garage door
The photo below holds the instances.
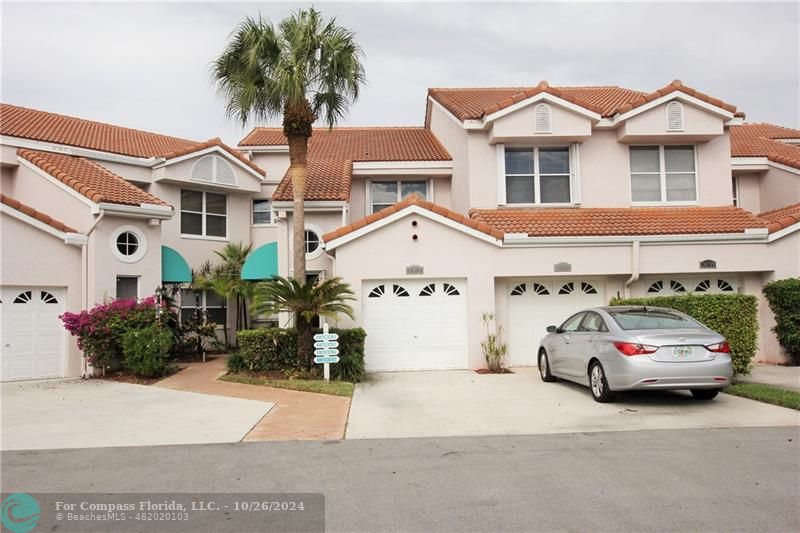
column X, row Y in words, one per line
column 415, row 324
column 535, row 304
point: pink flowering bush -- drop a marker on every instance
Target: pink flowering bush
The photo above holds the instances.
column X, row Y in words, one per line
column 100, row 330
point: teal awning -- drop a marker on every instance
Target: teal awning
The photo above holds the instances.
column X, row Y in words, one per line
column 262, row 263
column 174, row 268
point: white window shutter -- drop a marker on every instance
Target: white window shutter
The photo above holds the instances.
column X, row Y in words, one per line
column 674, row 116
column 542, row 119
column 204, row 169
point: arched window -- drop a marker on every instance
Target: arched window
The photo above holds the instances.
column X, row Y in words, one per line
column 450, row 290
column 724, row 286
column 674, row 116
column 48, row 298
column 399, row 290
column 214, row 169
column 540, row 289
column 656, row 287
column 676, row 286
column 542, row 119
column 428, row 290
column 703, row 286
column 519, row 290
column 567, row 288
column 377, row 292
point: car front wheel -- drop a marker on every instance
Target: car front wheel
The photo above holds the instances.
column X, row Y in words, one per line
column 544, row 368
column 704, row 394
column 599, row 384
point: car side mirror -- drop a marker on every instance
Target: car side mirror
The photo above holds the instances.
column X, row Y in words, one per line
column 552, row 329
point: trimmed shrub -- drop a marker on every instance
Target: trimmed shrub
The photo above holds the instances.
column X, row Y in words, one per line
column 783, row 297
column 734, row 316
column 100, row 330
column 270, row 349
column 146, row 351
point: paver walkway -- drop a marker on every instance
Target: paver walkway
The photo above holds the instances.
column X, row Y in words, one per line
column 785, row 377
column 296, row 415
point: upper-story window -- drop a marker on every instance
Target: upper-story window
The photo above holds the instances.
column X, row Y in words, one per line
column 262, row 211
column 214, row 169
column 539, row 175
column 204, row 214
column 385, row 193
column 663, row 174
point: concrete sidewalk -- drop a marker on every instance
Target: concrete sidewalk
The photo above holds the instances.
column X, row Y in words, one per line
column 296, row 415
column 785, row 377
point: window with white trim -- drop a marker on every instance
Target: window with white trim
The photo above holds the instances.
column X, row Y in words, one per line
column 262, row 211
column 383, row 194
column 312, row 242
column 735, row 190
column 214, row 169
column 662, row 174
column 207, row 304
column 538, row 175
column 204, row 214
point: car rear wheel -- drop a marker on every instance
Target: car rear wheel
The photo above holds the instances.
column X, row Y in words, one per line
column 704, row 394
column 599, row 384
column 544, row 368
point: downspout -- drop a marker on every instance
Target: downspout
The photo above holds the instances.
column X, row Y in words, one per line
column 634, row 268
column 85, row 277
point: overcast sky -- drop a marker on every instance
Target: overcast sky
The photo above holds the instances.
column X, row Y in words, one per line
column 146, row 65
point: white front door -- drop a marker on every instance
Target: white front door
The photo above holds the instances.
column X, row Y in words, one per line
column 535, row 304
column 415, row 324
column 33, row 339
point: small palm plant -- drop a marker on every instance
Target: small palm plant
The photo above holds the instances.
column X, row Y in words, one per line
column 325, row 298
column 233, row 257
column 494, row 349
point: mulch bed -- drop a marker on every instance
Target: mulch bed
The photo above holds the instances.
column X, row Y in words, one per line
column 126, row 377
column 487, row 371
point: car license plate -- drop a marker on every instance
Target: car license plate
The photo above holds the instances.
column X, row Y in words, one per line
column 681, row 352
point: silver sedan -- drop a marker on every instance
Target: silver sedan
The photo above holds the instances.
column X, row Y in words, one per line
column 612, row 349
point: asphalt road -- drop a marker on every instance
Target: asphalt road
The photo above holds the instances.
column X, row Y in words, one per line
column 745, row 479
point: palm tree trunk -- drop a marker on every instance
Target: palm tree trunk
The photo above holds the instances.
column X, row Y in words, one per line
column 305, row 341
column 298, row 150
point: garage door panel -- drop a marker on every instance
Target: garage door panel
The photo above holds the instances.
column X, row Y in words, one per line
column 424, row 330
column 33, row 337
column 535, row 304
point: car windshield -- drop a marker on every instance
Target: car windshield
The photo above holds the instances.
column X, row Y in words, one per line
column 632, row 319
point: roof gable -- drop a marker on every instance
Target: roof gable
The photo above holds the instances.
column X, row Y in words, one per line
column 89, row 179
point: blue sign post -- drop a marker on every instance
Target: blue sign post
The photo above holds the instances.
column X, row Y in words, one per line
column 326, row 350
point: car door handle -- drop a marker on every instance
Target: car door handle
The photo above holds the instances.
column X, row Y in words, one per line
column 567, row 339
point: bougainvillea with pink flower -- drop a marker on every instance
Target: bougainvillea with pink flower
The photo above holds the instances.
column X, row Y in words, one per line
column 100, row 330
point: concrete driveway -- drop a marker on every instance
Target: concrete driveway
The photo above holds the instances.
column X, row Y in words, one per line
column 98, row 413
column 460, row 403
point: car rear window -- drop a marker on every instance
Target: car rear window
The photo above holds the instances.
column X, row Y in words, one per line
column 639, row 319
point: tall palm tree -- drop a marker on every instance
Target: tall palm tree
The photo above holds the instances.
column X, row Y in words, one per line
column 303, row 69
column 326, row 298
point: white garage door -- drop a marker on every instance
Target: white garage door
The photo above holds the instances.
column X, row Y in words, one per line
column 535, row 304
column 415, row 324
column 33, row 338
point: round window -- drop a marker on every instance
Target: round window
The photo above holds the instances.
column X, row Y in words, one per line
column 127, row 243
column 312, row 241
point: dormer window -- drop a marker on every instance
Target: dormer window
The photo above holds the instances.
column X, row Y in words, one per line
column 214, row 169
column 542, row 119
column 674, row 116
column 537, row 175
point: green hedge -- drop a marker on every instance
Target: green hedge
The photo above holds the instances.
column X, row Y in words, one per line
column 734, row 316
column 783, row 297
column 276, row 349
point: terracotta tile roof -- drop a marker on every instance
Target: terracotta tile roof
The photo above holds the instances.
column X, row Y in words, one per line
column 88, row 178
column 414, row 200
column 588, row 221
column 216, row 141
column 331, row 153
column 38, row 215
column 760, row 140
column 779, row 219
column 476, row 103
column 37, row 125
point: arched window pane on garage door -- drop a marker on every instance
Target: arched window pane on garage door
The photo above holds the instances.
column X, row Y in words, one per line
column 377, row 292
column 450, row 290
column 428, row 290
column 48, row 298
column 23, row 297
column 398, row 290
column 519, row 290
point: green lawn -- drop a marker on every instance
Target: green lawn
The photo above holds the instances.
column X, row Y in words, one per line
column 335, row 388
column 766, row 394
